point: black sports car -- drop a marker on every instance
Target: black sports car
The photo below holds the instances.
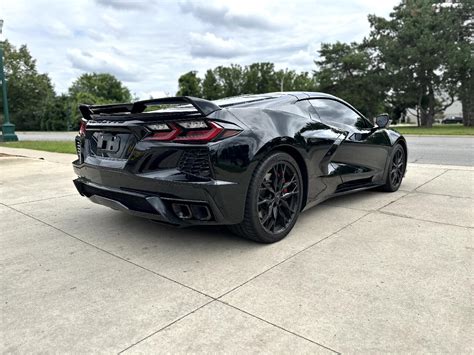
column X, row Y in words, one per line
column 252, row 162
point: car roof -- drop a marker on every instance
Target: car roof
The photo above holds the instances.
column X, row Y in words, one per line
column 268, row 99
column 261, row 101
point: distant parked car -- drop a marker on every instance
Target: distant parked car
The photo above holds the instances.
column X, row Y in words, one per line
column 452, row 119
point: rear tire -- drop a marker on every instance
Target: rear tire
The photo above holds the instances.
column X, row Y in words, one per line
column 273, row 200
column 396, row 169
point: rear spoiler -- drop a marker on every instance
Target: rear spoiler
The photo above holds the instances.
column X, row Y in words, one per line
column 204, row 107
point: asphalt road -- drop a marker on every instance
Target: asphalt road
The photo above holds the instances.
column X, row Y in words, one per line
column 443, row 150
column 46, row 136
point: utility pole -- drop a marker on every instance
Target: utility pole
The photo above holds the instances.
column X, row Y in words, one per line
column 282, row 82
column 8, row 129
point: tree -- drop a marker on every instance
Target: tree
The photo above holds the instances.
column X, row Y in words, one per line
column 234, row 80
column 290, row 80
column 459, row 34
column 230, row 79
column 189, row 85
column 413, row 46
column 95, row 88
column 302, row 82
column 347, row 71
column 58, row 116
column 211, row 89
column 29, row 93
column 259, row 78
column 100, row 88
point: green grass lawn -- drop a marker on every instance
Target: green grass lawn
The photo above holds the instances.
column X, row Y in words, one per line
column 448, row 130
column 48, row 146
column 68, row 146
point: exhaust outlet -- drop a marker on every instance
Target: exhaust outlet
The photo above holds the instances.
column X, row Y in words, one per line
column 201, row 212
column 182, row 210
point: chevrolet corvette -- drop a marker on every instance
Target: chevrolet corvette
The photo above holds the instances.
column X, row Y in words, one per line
column 252, row 162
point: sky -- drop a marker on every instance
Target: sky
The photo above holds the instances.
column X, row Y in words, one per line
column 148, row 44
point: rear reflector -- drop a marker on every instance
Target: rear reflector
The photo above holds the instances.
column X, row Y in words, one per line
column 159, row 127
column 193, row 124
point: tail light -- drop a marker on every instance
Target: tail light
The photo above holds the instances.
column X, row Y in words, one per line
column 190, row 131
column 82, row 128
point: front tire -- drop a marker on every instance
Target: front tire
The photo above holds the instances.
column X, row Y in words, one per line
column 273, row 200
column 396, row 169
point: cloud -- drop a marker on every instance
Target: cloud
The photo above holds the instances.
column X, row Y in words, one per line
column 58, row 28
column 154, row 94
column 112, row 22
column 126, row 4
column 209, row 45
column 282, row 48
column 102, row 62
column 223, row 16
column 150, row 43
column 302, row 58
column 95, row 35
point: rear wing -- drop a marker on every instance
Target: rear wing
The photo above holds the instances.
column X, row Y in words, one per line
column 204, row 107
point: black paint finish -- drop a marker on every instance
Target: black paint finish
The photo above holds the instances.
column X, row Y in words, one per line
column 147, row 178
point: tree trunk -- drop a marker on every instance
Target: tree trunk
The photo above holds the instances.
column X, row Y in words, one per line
column 425, row 119
column 429, row 114
column 418, row 110
column 467, row 101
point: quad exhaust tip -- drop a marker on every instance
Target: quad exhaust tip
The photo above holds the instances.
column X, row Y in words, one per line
column 201, row 212
column 191, row 211
column 182, row 210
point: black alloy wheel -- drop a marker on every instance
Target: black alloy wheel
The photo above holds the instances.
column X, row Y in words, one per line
column 396, row 170
column 273, row 201
column 278, row 197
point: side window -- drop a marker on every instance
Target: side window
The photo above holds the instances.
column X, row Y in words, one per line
column 306, row 106
column 339, row 115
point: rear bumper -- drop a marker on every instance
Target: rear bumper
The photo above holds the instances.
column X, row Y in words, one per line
column 162, row 196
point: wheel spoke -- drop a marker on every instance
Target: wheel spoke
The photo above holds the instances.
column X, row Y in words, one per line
column 393, row 177
column 267, row 186
column 286, row 217
column 282, row 177
column 275, row 178
column 267, row 200
column 287, row 206
column 278, row 197
column 266, row 219
column 288, row 183
column 271, row 225
column 289, row 194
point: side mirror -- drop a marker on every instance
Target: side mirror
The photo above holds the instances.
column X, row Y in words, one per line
column 382, row 120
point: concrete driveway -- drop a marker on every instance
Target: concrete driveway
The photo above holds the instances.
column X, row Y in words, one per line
column 372, row 272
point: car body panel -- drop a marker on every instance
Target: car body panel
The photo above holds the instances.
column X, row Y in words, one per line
column 332, row 161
